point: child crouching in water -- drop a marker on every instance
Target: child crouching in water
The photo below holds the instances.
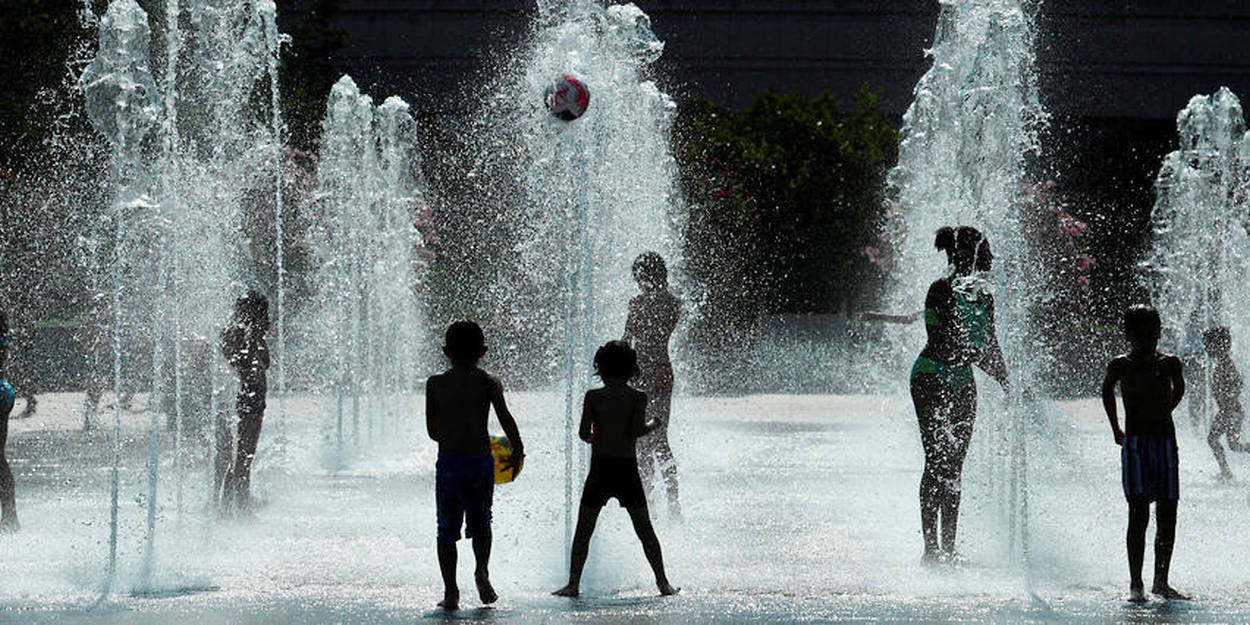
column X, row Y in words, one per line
column 613, row 417
column 1151, row 386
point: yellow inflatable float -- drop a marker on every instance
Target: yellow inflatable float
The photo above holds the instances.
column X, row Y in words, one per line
column 501, row 449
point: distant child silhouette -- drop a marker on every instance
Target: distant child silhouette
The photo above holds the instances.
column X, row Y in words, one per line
column 457, row 407
column 8, row 494
column 1226, row 386
column 959, row 320
column 1151, row 386
column 244, row 346
column 613, row 418
column 653, row 314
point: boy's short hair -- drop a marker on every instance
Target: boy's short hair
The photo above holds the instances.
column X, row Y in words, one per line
column 464, row 343
column 616, row 359
column 1217, row 339
column 649, row 267
column 1142, row 322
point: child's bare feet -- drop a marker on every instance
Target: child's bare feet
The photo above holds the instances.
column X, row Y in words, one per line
column 1137, row 594
column 1169, row 593
column 451, row 600
column 667, row 589
column 485, row 591
column 568, row 591
column 932, row 558
column 955, row 558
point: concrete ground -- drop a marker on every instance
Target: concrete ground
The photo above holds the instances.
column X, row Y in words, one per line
column 796, row 508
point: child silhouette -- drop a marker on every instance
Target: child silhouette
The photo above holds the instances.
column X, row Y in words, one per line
column 613, row 417
column 1151, row 386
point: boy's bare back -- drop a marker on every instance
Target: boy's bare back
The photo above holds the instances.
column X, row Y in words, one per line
column 1151, row 387
column 461, row 398
column 618, row 415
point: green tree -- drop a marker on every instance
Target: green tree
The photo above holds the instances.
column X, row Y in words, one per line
column 814, row 175
column 784, row 199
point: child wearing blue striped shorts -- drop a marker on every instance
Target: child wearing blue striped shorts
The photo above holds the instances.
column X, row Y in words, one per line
column 1151, row 386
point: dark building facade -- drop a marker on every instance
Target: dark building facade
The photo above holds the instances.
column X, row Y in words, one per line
column 1139, row 59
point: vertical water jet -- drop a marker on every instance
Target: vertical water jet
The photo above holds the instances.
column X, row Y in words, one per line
column 1196, row 268
column 598, row 191
column 364, row 324
column 964, row 155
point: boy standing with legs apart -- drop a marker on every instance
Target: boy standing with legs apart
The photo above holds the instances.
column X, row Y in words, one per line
column 613, row 417
column 1151, row 386
column 457, row 406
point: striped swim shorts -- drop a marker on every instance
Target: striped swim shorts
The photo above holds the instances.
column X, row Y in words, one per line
column 1150, row 469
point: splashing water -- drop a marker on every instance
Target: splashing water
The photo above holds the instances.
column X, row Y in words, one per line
column 186, row 151
column 602, row 189
column 598, row 191
column 1197, row 269
column 362, row 330
column 963, row 156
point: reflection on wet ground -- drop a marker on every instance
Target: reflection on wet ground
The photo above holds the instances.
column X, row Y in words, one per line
column 796, row 509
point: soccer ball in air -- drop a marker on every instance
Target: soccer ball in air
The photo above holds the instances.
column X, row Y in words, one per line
column 567, row 98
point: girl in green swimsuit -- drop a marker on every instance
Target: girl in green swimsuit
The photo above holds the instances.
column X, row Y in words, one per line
column 959, row 319
column 8, row 502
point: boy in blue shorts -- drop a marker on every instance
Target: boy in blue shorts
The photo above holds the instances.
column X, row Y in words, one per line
column 1151, row 386
column 457, row 406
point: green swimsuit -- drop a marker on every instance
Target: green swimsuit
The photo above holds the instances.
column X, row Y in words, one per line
column 972, row 332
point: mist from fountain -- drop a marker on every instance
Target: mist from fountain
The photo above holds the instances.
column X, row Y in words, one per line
column 362, row 329
column 186, row 150
column 1198, row 266
column 599, row 190
column 964, row 154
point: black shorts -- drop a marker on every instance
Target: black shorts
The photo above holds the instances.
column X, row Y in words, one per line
column 613, row 478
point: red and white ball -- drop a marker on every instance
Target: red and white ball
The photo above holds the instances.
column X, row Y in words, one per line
column 567, row 98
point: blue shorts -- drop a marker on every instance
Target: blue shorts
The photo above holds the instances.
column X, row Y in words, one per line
column 1150, row 469
column 464, row 487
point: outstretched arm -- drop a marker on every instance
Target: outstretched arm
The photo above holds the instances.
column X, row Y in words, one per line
column 889, row 318
column 506, row 421
column 1108, row 401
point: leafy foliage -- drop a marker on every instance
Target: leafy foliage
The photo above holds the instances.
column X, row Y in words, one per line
column 782, row 198
column 800, row 183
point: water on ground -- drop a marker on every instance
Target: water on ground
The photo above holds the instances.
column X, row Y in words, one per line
column 796, row 508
